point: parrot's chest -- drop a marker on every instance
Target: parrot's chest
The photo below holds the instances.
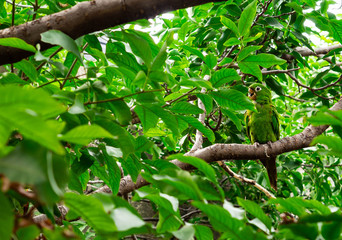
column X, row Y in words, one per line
column 260, row 124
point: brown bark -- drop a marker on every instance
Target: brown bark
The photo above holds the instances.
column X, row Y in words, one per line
column 87, row 17
column 218, row 152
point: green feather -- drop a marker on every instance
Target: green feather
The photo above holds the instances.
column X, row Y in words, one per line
column 263, row 125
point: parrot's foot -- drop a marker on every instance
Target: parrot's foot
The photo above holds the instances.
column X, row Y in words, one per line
column 256, row 144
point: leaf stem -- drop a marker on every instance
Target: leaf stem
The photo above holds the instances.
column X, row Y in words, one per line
column 121, row 98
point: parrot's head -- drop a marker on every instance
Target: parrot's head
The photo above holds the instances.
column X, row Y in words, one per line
column 259, row 93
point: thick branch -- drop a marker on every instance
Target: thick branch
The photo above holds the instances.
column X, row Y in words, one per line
column 218, row 152
column 87, row 17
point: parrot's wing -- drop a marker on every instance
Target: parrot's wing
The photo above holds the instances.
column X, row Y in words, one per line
column 247, row 118
column 275, row 122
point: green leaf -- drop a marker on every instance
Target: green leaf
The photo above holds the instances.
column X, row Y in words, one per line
column 224, row 76
column 177, row 183
column 293, row 205
column 168, row 118
column 7, row 218
column 140, row 47
column 247, row 18
column 327, row 117
column 250, row 68
column 334, row 144
column 245, row 52
column 199, row 126
column 28, row 68
column 146, row 116
column 32, row 127
column 160, row 59
column 92, row 211
column 203, row 232
column 210, row 60
column 119, row 108
column 122, row 138
column 230, row 25
column 207, row 101
column 264, row 59
column 28, row 233
column 232, row 99
column 56, row 37
column 125, row 219
column 23, row 165
column 185, row 233
column 232, row 41
column 256, row 211
column 194, row 51
column 114, row 173
column 11, row 78
column 232, row 116
column 336, row 27
column 186, row 108
column 221, row 220
column 17, row 43
column 84, row 134
column 78, row 106
column 198, row 163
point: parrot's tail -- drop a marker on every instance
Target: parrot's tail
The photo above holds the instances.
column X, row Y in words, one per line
column 271, row 167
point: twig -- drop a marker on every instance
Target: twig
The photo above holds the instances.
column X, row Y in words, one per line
column 246, row 180
column 199, row 136
column 51, row 56
column 185, row 216
column 279, row 71
column 280, row 15
column 293, row 98
column 72, row 67
column 176, row 99
column 313, row 90
column 121, row 98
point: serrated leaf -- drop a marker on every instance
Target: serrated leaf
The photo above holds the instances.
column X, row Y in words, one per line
column 28, row 68
column 247, row 18
column 194, row 51
column 256, row 211
column 186, row 108
column 221, row 220
column 207, row 101
column 224, row 76
column 85, row 133
column 56, row 37
column 199, row 126
column 247, row 51
column 17, row 43
column 232, row 116
column 92, row 211
column 264, row 59
column 146, row 116
column 167, row 117
column 334, row 144
column 251, row 68
column 11, row 78
column 122, row 138
column 198, row 163
column 232, row 99
column 230, row 25
column 140, row 47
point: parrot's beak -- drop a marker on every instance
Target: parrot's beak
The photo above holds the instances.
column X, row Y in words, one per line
column 251, row 94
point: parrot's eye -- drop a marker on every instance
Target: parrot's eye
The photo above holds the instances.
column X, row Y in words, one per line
column 257, row 89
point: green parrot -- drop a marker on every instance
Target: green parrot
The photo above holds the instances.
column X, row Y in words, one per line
column 263, row 125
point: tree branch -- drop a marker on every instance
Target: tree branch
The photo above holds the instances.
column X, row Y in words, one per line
column 87, row 17
column 218, row 152
column 246, row 180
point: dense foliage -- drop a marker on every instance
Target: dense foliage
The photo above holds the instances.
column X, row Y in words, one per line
column 127, row 100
